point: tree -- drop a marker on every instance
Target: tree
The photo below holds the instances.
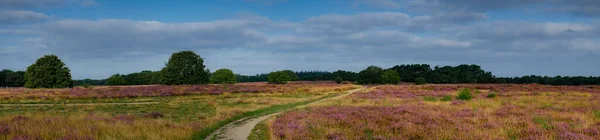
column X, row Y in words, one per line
column 48, row 72
column 279, row 77
column 185, row 68
column 370, row 75
column 390, row 77
column 223, row 76
column 420, row 81
column 293, row 76
column 410, row 72
column 116, row 80
column 345, row 75
column 9, row 78
column 338, row 80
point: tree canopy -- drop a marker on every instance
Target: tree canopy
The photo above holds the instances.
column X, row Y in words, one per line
column 9, row 78
column 48, row 72
column 370, row 75
column 280, row 77
column 390, row 77
column 223, row 76
column 185, row 68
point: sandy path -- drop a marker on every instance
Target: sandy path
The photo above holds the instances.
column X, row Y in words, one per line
column 81, row 104
column 241, row 129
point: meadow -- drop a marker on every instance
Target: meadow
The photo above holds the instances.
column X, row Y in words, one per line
column 146, row 112
column 492, row 111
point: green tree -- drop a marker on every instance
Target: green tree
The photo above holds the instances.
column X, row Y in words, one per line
column 338, row 80
column 223, row 76
column 293, row 76
column 345, row 75
column 279, row 77
column 370, row 75
column 116, row 80
column 420, row 81
column 390, row 77
column 48, row 72
column 185, row 68
column 9, row 78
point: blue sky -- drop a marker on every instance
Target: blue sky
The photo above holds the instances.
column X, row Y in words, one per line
column 98, row 38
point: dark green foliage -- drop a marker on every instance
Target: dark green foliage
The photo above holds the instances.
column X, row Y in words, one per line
column 446, row 98
column 390, row 77
column 9, row 78
column 314, row 75
column 346, row 75
column 291, row 74
column 491, row 95
column 116, row 80
column 370, row 75
column 420, row 81
column 90, row 82
column 460, row 74
column 223, row 76
column 279, row 77
column 429, row 98
column 464, row 94
column 252, row 78
column 48, row 72
column 557, row 80
column 410, row 72
column 338, row 80
column 185, row 68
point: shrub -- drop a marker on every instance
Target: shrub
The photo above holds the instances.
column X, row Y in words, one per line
column 420, row 81
column 428, row 98
column 491, row 95
column 446, row 98
column 338, row 80
column 464, row 94
column 390, row 77
column 279, row 77
column 185, row 68
column 223, row 76
column 48, row 72
column 115, row 80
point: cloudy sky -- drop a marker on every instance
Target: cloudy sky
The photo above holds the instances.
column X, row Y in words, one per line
column 98, row 38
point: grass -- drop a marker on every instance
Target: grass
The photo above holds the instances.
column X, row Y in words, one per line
column 412, row 112
column 167, row 117
column 260, row 131
column 464, row 94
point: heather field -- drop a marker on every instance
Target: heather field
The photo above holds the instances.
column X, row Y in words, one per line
column 146, row 112
column 492, row 111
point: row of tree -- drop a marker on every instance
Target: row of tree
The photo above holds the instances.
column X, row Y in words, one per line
column 9, row 78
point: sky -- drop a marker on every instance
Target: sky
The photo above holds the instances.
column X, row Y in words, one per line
column 99, row 38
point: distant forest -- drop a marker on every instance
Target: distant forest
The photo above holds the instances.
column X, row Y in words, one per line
column 408, row 73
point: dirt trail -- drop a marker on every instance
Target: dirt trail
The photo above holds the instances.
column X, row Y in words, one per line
column 81, row 104
column 241, row 129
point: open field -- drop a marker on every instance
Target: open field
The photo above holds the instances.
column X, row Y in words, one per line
column 145, row 112
column 433, row 112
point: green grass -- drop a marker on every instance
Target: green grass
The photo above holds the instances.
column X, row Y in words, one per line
column 464, row 94
column 596, row 114
column 204, row 133
column 544, row 121
column 428, row 98
column 260, row 132
column 446, row 98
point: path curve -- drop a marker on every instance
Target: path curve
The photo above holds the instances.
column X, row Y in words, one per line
column 82, row 104
column 241, row 129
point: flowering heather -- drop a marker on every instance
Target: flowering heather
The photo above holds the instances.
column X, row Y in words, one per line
column 162, row 90
column 417, row 112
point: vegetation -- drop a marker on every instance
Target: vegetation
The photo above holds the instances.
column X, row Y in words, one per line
column 420, row 81
column 185, row 68
column 399, row 112
column 464, row 94
column 48, row 72
column 390, row 77
column 223, row 76
column 370, row 75
column 338, row 80
column 116, row 80
column 9, row 78
column 281, row 77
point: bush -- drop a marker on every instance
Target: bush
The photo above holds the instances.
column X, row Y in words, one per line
column 185, row 68
column 491, row 95
column 420, row 81
column 338, row 80
column 428, row 98
column 223, row 76
column 279, row 77
column 464, row 94
column 115, row 80
column 48, row 72
column 390, row 77
column 446, row 98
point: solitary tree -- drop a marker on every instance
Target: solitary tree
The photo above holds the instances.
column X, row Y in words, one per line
column 185, row 68
column 390, row 77
column 116, row 80
column 279, row 77
column 48, row 72
column 223, row 76
column 293, row 76
column 370, row 75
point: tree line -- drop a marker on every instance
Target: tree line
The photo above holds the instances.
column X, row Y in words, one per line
column 187, row 68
